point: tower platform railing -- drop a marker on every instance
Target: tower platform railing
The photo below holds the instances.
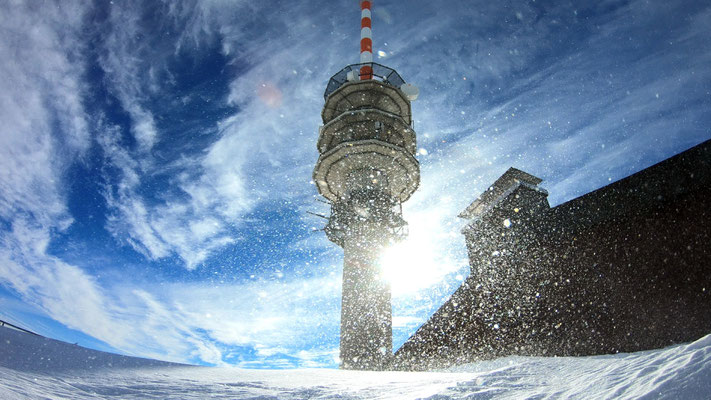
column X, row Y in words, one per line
column 380, row 72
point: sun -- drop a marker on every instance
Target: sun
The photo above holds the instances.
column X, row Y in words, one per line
column 425, row 258
column 410, row 265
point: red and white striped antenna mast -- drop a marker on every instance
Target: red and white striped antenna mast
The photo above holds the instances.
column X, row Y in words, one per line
column 366, row 40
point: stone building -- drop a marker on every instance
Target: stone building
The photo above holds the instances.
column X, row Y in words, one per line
column 624, row 268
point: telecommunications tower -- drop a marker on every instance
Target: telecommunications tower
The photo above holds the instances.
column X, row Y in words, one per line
column 366, row 169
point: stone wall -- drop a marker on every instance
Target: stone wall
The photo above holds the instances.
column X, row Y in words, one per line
column 624, row 268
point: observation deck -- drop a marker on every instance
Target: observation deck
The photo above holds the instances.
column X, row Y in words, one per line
column 367, row 142
column 351, row 73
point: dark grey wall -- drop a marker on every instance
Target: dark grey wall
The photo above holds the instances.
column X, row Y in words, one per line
column 623, row 268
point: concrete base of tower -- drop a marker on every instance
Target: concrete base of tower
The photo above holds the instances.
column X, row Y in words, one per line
column 366, row 315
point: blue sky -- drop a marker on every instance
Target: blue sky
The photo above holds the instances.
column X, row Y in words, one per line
column 157, row 156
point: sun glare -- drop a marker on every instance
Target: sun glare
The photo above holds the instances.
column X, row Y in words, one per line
column 413, row 264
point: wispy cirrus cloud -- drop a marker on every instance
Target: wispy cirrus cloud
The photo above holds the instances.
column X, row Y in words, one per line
column 192, row 218
column 271, row 320
column 45, row 131
column 192, row 225
column 275, row 318
column 573, row 111
column 179, row 322
column 262, row 152
column 41, row 88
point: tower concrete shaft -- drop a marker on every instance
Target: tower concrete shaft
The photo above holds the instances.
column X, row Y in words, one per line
column 366, row 320
column 366, row 169
column 363, row 225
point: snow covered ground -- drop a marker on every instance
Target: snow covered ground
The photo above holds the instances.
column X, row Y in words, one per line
column 33, row 367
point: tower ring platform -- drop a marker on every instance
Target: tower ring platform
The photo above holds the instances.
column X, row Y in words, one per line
column 364, row 124
column 387, row 166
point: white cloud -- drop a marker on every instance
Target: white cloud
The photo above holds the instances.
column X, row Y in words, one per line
column 176, row 322
column 63, row 291
column 136, row 65
column 128, row 59
column 41, row 87
column 129, row 320
column 192, row 228
column 609, row 89
column 44, row 131
column 253, row 159
column 271, row 316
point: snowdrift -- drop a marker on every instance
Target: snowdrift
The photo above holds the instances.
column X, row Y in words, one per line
column 33, row 367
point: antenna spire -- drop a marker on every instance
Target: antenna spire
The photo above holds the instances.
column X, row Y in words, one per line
column 366, row 41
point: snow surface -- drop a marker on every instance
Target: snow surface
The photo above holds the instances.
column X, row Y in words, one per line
column 33, row 367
